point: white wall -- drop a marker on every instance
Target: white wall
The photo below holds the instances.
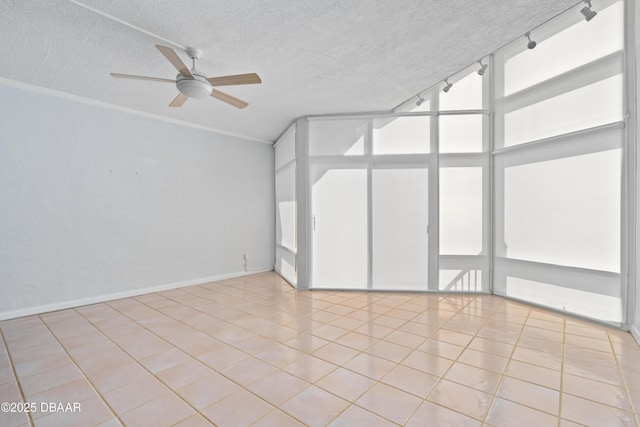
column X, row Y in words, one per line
column 633, row 11
column 95, row 201
column 635, row 328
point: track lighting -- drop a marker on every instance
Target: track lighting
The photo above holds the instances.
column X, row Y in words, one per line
column 587, row 12
column 531, row 43
column 419, row 101
column 447, row 86
column 483, row 68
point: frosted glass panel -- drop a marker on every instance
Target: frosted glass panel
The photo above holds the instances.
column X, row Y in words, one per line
column 400, row 216
column 286, row 265
column 465, row 94
column 285, row 198
column 337, row 137
column 593, row 305
column 577, row 45
column 401, row 135
column 286, row 207
column 461, row 211
column 460, row 134
column 339, row 199
column 285, row 148
column 597, row 104
column 565, row 211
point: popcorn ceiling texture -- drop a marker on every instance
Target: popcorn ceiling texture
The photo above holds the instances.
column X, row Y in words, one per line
column 314, row 56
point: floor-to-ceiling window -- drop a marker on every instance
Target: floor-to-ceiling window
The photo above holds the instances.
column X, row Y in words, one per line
column 400, row 163
column 463, row 147
column 558, row 166
column 400, row 201
column 369, row 185
column 338, row 180
column 285, row 190
column 506, row 177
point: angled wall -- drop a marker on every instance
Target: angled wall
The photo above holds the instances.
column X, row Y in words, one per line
column 634, row 41
column 98, row 202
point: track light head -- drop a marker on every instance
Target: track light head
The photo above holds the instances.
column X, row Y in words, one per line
column 587, row 12
column 483, row 68
column 447, row 86
column 532, row 44
column 420, row 101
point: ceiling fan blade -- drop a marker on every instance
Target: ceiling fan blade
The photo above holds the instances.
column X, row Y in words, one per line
column 175, row 60
column 179, row 100
column 237, row 79
column 228, row 99
column 131, row 76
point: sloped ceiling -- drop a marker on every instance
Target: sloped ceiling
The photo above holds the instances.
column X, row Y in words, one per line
column 314, row 56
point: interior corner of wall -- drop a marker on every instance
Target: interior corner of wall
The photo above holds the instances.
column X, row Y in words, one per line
column 635, row 332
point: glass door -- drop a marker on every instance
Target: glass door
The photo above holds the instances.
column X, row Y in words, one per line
column 400, row 212
column 339, row 228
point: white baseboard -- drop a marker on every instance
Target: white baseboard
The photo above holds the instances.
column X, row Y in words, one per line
column 30, row 311
column 636, row 333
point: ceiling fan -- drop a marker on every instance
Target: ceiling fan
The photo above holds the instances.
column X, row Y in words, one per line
column 193, row 84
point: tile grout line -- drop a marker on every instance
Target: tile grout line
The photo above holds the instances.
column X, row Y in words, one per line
column 624, row 382
column 98, row 329
column 128, row 354
column 441, row 378
column 243, row 387
column 341, row 366
column 396, row 364
column 623, row 386
column 194, row 328
column 351, row 403
column 564, row 346
column 543, row 367
column 84, row 375
column 378, row 381
column 293, row 314
column 169, row 388
column 174, row 392
column 503, row 374
column 15, row 374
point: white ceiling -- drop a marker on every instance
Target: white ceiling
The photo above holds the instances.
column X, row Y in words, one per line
column 314, row 56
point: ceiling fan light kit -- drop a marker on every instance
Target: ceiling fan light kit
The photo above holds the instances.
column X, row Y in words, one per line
column 194, row 87
column 194, row 84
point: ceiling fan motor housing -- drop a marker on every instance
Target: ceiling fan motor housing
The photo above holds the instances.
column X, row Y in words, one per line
column 194, row 87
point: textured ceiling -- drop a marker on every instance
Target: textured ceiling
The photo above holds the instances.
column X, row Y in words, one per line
column 314, row 56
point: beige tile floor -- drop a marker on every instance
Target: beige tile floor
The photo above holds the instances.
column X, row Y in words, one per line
column 254, row 351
